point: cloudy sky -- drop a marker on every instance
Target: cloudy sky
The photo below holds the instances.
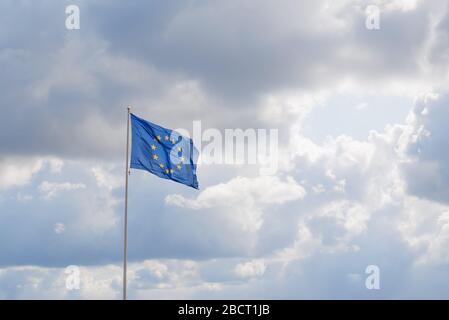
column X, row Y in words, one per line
column 363, row 173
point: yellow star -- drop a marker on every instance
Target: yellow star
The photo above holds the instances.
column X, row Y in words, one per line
column 166, row 171
column 173, row 141
column 153, row 147
column 161, row 165
column 155, row 157
column 180, row 149
column 182, row 159
column 166, row 137
column 171, row 170
column 159, row 138
column 179, row 167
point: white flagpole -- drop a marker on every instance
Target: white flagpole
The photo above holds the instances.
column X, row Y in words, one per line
column 125, row 230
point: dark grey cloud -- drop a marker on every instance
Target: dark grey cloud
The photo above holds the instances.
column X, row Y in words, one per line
column 240, row 49
column 65, row 91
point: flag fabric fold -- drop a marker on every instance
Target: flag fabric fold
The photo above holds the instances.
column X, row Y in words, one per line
column 163, row 152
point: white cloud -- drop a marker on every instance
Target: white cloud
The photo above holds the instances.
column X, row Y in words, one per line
column 251, row 269
column 247, row 196
column 59, row 228
column 105, row 179
column 51, row 189
column 425, row 226
column 56, row 165
column 330, row 228
column 98, row 214
column 18, row 171
column 424, row 140
column 318, row 188
column 241, row 190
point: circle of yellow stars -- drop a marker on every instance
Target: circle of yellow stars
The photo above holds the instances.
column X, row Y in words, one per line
column 156, row 157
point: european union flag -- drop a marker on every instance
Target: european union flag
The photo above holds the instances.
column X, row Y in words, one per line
column 163, row 152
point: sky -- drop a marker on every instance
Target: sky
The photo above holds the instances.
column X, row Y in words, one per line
column 363, row 172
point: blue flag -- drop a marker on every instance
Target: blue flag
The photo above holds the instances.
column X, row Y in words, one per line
column 163, row 152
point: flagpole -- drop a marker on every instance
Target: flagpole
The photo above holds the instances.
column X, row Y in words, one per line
column 125, row 229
